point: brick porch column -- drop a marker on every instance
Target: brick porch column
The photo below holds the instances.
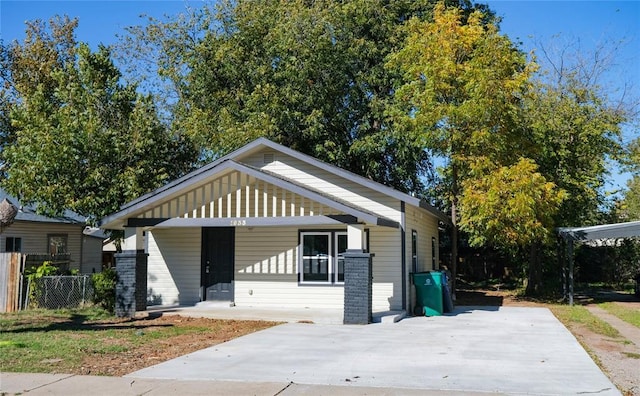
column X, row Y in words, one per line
column 358, row 286
column 131, row 287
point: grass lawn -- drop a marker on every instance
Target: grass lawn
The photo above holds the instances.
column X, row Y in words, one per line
column 571, row 315
column 90, row 341
column 627, row 314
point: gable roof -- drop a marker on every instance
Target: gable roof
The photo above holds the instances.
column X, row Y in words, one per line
column 229, row 161
column 29, row 212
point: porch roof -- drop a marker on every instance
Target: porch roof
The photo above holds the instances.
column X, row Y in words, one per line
column 353, row 212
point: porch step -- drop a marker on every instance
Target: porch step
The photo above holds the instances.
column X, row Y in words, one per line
column 388, row 317
column 215, row 304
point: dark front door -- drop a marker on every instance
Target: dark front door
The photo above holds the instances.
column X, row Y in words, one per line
column 218, row 245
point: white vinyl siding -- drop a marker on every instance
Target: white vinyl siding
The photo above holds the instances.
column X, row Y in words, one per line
column 35, row 238
column 426, row 227
column 329, row 183
column 174, row 266
column 267, row 272
column 384, row 244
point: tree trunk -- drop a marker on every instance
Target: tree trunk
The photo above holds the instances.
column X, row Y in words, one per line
column 534, row 283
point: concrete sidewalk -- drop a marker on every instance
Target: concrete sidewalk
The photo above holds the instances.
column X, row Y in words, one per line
column 75, row 385
column 475, row 350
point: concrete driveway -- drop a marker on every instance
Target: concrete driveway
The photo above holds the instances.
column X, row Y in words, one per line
column 508, row 350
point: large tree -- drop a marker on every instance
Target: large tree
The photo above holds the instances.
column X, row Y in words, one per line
column 463, row 88
column 310, row 75
column 526, row 151
column 572, row 122
column 80, row 139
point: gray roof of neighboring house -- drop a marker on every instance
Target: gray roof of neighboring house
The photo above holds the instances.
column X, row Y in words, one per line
column 28, row 212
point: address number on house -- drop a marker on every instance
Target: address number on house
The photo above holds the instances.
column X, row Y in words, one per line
column 238, row 222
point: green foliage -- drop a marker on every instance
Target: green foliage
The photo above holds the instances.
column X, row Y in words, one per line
column 33, row 274
column 104, row 286
column 615, row 265
column 46, row 269
column 462, row 88
column 309, row 75
column 630, row 205
column 573, row 134
column 80, row 139
column 512, row 207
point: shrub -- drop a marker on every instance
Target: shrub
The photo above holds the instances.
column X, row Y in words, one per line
column 104, row 285
column 36, row 289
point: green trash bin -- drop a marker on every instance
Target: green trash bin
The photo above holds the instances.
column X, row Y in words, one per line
column 429, row 292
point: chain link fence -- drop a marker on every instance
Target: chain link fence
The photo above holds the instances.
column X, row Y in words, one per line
column 55, row 292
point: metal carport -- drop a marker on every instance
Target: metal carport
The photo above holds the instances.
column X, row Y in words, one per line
column 582, row 234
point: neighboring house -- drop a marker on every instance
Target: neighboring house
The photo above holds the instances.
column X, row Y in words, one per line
column 269, row 226
column 32, row 233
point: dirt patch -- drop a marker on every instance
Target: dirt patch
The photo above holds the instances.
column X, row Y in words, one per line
column 619, row 358
column 135, row 357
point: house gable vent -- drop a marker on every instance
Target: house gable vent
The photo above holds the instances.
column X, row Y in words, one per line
column 268, row 158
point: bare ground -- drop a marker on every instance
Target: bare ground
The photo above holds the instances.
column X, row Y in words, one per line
column 619, row 358
column 140, row 356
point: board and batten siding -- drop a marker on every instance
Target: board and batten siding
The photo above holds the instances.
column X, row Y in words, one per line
column 174, row 265
column 35, row 238
column 327, row 182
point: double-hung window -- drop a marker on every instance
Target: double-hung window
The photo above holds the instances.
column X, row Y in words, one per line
column 322, row 256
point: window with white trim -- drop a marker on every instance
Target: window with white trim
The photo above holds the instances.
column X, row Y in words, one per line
column 316, row 257
column 322, row 256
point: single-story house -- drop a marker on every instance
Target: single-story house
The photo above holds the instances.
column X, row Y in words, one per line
column 271, row 227
column 32, row 233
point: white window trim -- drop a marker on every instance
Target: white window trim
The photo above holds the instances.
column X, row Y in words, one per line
column 332, row 276
column 335, row 251
column 302, row 257
column 414, row 251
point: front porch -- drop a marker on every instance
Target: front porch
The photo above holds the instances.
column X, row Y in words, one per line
column 222, row 310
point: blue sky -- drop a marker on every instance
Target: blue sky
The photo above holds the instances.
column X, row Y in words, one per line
column 529, row 22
